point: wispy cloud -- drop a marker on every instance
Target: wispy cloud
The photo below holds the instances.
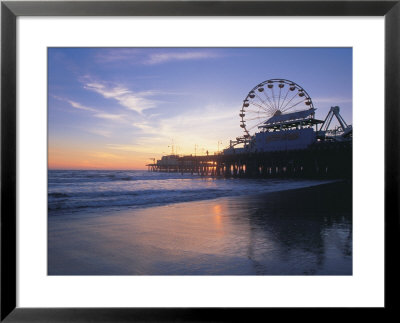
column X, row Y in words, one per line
column 125, row 97
column 77, row 105
column 146, row 145
column 145, row 126
column 158, row 58
column 74, row 104
column 117, row 54
column 110, row 116
column 139, row 56
column 95, row 112
column 107, row 92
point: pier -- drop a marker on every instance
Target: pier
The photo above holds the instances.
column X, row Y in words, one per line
column 276, row 142
column 320, row 160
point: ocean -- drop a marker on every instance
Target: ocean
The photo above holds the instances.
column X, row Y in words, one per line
column 88, row 191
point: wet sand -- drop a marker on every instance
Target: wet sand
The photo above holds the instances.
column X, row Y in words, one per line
column 298, row 232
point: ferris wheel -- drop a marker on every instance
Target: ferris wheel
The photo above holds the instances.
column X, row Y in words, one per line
column 270, row 98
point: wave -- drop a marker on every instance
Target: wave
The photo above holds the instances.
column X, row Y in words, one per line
column 130, row 199
column 77, row 176
column 67, row 195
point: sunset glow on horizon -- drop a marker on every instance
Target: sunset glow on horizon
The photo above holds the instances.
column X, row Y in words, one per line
column 118, row 108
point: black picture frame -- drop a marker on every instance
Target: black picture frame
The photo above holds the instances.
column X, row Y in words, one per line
column 10, row 10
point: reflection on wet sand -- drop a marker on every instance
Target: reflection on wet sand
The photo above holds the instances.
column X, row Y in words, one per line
column 295, row 236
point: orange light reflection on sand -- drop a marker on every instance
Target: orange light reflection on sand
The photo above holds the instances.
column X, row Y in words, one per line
column 217, row 210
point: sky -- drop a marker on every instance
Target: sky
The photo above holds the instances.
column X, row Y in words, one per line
column 117, row 108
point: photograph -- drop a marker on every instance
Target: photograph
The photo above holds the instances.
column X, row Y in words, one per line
column 200, row 161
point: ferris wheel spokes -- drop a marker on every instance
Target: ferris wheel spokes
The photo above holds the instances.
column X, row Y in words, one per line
column 266, row 109
column 272, row 104
column 287, row 92
column 263, row 102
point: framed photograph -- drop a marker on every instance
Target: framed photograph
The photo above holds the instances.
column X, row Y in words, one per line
column 187, row 160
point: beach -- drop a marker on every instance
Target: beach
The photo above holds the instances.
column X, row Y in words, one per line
column 304, row 231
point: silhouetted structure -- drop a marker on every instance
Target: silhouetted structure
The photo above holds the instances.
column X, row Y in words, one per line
column 322, row 160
